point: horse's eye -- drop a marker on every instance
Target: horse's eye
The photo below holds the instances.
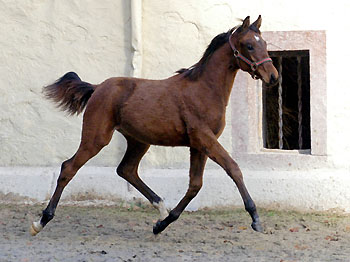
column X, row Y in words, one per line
column 250, row 47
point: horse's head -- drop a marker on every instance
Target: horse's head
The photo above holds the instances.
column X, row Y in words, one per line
column 249, row 49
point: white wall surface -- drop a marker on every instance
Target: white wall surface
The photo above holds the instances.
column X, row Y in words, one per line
column 188, row 27
column 42, row 40
column 39, row 42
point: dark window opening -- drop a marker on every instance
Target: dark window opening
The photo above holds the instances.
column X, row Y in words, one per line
column 286, row 106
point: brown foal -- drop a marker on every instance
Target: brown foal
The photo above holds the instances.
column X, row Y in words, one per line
column 187, row 109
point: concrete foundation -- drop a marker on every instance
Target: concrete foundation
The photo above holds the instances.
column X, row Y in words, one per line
column 312, row 190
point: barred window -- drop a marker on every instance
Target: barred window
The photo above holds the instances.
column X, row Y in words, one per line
column 286, row 106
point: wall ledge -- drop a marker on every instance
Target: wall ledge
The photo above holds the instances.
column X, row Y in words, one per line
column 310, row 190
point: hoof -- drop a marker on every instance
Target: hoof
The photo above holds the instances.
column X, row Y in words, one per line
column 257, row 227
column 157, row 228
column 35, row 228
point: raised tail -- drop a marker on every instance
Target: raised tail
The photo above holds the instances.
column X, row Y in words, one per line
column 70, row 93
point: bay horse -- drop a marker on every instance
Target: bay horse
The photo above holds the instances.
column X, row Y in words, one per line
column 187, row 109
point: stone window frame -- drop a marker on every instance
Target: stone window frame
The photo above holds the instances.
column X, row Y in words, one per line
column 246, row 114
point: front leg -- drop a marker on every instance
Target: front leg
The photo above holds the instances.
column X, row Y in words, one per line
column 198, row 160
column 204, row 140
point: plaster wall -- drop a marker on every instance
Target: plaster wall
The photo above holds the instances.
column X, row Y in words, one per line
column 42, row 40
column 188, row 27
column 39, row 42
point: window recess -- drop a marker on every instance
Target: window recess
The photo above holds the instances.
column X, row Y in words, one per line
column 286, row 106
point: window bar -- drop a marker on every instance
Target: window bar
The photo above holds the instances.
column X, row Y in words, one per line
column 280, row 110
column 300, row 105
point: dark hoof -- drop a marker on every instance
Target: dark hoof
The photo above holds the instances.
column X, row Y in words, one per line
column 157, row 228
column 257, row 227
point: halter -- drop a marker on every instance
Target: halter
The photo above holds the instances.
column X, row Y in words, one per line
column 253, row 65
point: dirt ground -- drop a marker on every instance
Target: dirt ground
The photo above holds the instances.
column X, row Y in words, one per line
column 116, row 233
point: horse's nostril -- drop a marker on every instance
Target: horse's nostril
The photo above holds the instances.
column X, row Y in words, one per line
column 273, row 79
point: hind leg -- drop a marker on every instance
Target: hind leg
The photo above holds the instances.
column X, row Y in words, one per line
column 127, row 169
column 94, row 138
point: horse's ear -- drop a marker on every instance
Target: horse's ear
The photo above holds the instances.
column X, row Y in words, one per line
column 257, row 23
column 246, row 22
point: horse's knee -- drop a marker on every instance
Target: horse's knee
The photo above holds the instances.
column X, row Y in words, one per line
column 235, row 172
column 194, row 188
column 197, row 185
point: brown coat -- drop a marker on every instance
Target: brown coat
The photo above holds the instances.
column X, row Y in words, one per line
column 187, row 109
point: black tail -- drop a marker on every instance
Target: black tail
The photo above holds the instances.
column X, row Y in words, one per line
column 70, row 93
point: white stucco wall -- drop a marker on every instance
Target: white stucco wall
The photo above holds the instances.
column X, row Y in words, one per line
column 188, row 27
column 41, row 40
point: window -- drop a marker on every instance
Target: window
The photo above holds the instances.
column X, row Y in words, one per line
column 286, row 106
column 289, row 50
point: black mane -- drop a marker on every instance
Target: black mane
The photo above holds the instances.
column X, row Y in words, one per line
column 196, row 70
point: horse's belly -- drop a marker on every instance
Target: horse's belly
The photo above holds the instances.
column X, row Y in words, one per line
column 156, row 132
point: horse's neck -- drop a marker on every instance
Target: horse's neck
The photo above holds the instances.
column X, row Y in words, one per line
column 219, row 74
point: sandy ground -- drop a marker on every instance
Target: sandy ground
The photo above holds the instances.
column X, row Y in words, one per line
column 116, row 233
